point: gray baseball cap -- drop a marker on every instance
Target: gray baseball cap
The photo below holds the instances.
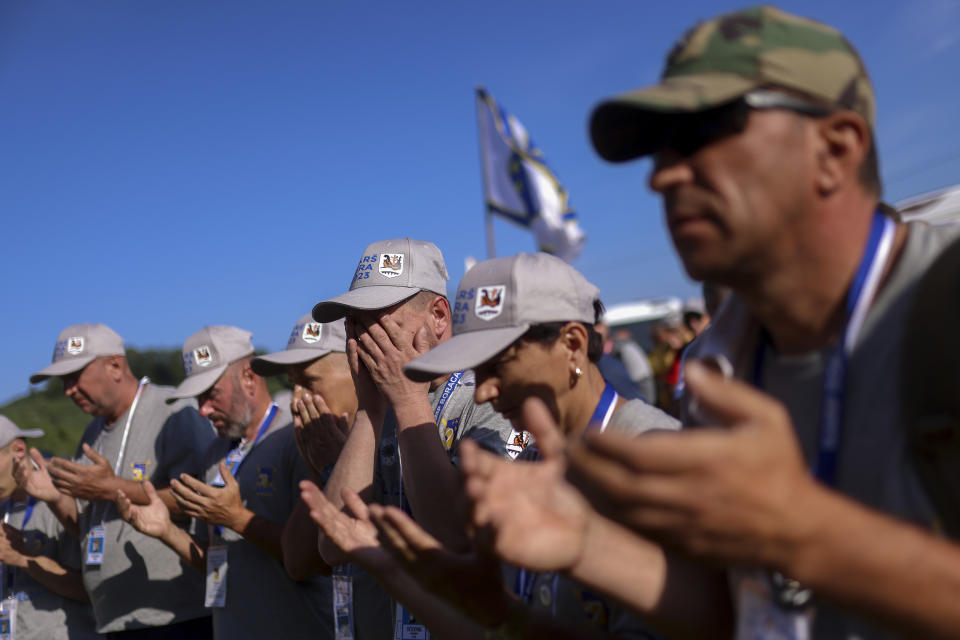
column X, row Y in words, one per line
column 309, row 340
column 10, row 431
column 389, row 272
column 77, row 346
column 498, row 300
column 207, row 354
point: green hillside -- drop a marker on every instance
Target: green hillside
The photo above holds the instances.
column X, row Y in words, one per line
column 47, row 408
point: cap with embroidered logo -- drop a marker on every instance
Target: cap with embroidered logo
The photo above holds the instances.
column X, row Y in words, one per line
column 389, row 271
column 207, row 354
column 499, row 300
column 308, row 341
column 77, row 346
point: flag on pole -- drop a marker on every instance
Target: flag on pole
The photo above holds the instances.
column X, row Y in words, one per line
column 518, row 184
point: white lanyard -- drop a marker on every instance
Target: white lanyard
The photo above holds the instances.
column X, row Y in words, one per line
column 126, row 428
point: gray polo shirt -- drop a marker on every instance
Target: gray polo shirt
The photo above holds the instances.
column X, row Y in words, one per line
column 262, row 601
column 41, row 613
column 142, row 582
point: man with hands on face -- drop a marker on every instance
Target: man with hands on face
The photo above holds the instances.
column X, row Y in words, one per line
column 42, row 590
column 252, row 473
column 135, row 435
column 323, row 406
column 403, row 445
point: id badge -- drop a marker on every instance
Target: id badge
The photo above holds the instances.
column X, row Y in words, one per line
column 8, row 619
column 95, row 544
column 407, row 627
column 216, row 593
column 342, row 603
column 760, row 618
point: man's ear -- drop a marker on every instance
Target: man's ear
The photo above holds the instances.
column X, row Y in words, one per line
column 440, row 317
column 114, row 367
column 18, row 447
column 843, row 142
column 248, row 379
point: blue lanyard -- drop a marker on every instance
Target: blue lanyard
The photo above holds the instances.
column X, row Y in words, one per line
column 601, row 415
column 234, row 466
column 10, row 577
column 239, row 456
column 31, row 503
column 448, row 388
column 864, row 285
column 523, row 584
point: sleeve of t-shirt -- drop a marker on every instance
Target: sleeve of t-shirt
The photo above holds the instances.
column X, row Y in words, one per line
column 67, row 547
column 89, row 437
column 184, row 439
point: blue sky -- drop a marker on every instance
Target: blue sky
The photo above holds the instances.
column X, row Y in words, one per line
column 168, row 164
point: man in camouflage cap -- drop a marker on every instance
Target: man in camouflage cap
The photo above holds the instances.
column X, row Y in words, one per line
column 761, row 133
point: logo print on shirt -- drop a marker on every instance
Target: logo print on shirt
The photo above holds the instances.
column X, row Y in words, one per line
column 139, row 470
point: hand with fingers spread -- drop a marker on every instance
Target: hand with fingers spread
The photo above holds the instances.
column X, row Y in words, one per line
column 353, row 537
column 384, row 347
column 471, row 582
column 152, row 519
column 738, row 493
column 214, row 505
column 86, row 481
column 535, row 518
column 31, row 474
column 320, row 435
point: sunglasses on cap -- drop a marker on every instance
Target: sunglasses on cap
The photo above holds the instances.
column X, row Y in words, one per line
column 687, row 132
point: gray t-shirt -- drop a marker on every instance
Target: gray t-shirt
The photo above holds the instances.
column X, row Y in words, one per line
column 873, row 463
column 41, row 613
column 262, row 601
column 142, row 582
column 461, row 418
column 567, row 599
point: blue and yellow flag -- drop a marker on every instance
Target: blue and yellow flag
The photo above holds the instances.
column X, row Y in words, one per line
column 520, row 186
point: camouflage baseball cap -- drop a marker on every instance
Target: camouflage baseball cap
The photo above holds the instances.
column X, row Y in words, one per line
column 719, row 60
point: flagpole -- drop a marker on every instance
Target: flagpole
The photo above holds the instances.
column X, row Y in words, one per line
column 488, row 216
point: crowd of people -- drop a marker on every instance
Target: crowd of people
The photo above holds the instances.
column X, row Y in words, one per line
column 470, row 468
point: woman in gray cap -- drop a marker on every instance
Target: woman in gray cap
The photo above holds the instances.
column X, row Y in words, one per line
column 525, row 325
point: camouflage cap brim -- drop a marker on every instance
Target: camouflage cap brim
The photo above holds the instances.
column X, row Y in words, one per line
column 719, row 59
column 629, row 126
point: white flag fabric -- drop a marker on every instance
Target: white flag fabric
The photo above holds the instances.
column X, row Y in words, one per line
column 520, row 186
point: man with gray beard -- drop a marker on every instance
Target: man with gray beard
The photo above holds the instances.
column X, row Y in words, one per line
column 252, row 475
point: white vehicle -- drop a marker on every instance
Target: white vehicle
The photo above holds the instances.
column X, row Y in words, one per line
column 640, row 315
